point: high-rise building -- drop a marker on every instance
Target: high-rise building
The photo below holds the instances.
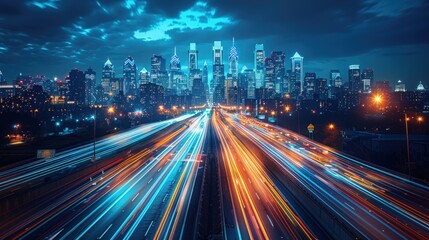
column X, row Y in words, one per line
column 192, row 57
column 321, row 88
column 420, row 87
column 233, row 60
column 2, row 79
column 144, row 76
column 198, row 92
column 152, row 96
column 158, row 72
column 107, row 74
column 367, row 80
column 279, row 70
column 335, row 83
column 249, row 76
column 355, row 78
column 178, row 82
column 130, row 80
column 336, row 80
column 259, row 66
column 269, row 74
column 76, row 86
column 298, row 71
column 205, row 78
column 218, row 70
column 90, row 84
column 309, row 85
column 400, row 86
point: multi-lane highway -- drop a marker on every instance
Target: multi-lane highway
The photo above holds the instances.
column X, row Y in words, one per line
column 371, row 202
column 253, row 208
column 153, row 194
column 35, row 172
column 273, row 184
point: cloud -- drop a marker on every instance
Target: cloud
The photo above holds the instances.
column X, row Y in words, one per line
column 187, row 20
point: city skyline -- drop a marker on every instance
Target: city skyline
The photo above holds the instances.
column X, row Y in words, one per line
column 88, row 37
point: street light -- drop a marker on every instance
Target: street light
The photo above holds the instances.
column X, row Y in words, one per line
column 331, row 126
column 95, row 116
column 111, row 110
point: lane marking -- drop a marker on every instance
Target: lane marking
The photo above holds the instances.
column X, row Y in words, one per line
column 100, row 237
column 135, row 197
column 56, row 234
column 147, row 231
column 269, row 219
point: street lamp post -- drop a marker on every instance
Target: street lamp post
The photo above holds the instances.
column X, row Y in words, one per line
column 95, row 122
column 408, row 145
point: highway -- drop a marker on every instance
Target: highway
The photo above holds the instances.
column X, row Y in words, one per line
column 35, row 172
column 152, row 189
column 371, row 202
column 253, row 208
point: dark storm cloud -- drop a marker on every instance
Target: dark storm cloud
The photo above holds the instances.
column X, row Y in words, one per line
column 168, row 8
column 72, row 33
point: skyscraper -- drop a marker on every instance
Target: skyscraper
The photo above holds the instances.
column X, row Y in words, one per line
column 354, row 78
column 90, row 83
column 144, row 76
column 233, row 60
column 158, row 72
column 177, row 82
column 298, row 71
column 192, row 58
column 107, row 74
column 205, row 79
column 218, row 72
column 129, row 77
column 76, row 86
column 400, row 86
column 309, row 85
column 269, row 74
column 2, row 80
column 259, row 66
column 336, row 80
column 367, row 80
column 279, row 70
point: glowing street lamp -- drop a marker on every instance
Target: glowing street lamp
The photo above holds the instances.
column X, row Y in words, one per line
column 111, row 110
column 331, row 126
column 420, row 119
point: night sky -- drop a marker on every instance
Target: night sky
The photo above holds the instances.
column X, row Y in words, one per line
column 51, row 37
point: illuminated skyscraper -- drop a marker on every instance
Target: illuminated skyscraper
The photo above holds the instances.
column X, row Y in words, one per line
column 309, row 85
column 336, row 80
column 355, row 84
column 269, row 74
column 144, row 76
column 279, row 70
column 233, row 60
column 158, row 72
column 129, row 77
column 2, row 80
column 205, row 79
column 218, row 73
column 107, row 74
column 90, row 83
column 298, row 71
column 177, row 82
column 367, row 80
column 76, row 86
column 192, row 58
column 400, row 86
column 259, row 67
